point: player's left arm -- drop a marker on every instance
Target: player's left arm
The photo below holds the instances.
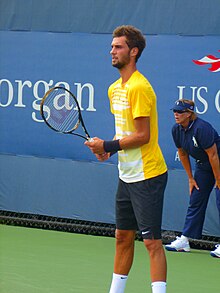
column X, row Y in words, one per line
column 140, row 136
column 214, row 161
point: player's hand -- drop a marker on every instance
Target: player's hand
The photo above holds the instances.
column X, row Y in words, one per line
column 96, row 146
column 103, row 157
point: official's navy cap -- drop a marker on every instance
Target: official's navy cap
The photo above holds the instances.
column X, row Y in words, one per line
column 182, row 106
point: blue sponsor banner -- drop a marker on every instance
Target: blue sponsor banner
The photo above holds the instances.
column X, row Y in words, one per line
column 32, row 62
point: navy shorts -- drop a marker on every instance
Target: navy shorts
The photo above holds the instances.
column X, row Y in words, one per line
column 139, row 206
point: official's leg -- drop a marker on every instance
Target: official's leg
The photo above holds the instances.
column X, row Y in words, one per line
column 217, row 193
column 195, row 216
column 198, row 203
column 216, row 251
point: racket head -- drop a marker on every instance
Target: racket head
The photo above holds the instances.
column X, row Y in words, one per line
column 60, row 110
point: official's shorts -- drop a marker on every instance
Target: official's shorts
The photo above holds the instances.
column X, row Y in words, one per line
column 139, row 206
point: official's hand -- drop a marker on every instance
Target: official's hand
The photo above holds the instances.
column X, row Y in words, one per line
column 192, row 184
column 217, row 183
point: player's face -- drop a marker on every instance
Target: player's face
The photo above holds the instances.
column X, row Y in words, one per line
column 120, row 52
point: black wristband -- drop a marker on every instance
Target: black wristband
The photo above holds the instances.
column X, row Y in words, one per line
column 111, row 146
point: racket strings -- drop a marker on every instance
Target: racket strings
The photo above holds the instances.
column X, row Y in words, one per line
column 71, row 122
column 61, row 111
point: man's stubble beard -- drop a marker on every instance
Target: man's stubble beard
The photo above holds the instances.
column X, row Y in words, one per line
column 118, row 65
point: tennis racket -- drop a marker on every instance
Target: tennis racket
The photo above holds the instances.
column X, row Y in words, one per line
column 60, row 110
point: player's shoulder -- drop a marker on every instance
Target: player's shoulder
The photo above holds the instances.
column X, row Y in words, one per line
column 114, row 85
column 117, row 81
column 138, row 77
column 139, row 81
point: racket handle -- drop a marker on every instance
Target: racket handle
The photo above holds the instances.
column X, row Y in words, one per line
column 90, row 139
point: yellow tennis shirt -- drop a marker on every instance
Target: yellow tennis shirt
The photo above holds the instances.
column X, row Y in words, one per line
column 136, row 98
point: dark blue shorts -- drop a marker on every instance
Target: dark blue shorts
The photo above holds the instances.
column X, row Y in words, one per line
column 139, row 206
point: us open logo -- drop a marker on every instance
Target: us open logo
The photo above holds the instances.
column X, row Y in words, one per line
column 210, row 60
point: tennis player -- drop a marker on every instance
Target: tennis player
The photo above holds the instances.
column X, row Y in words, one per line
column 196, row 138
column 142, row 169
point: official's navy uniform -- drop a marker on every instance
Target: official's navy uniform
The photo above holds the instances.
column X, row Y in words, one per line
column 198, row 136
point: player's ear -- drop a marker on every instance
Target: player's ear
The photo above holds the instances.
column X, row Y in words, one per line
column 134, row 51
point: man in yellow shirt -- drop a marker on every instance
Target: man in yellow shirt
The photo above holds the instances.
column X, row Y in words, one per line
column 142, row 169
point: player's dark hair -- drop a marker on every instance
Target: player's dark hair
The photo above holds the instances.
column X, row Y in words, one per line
column 134, row 37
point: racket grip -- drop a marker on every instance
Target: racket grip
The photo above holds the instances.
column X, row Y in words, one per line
column 90, row 139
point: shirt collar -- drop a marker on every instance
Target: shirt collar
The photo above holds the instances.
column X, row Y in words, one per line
column 189, row 126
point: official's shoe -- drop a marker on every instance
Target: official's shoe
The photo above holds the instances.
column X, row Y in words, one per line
column 216, row 252
column 180, row 245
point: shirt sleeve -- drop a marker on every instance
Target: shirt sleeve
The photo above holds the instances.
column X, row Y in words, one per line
column 141, row 101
